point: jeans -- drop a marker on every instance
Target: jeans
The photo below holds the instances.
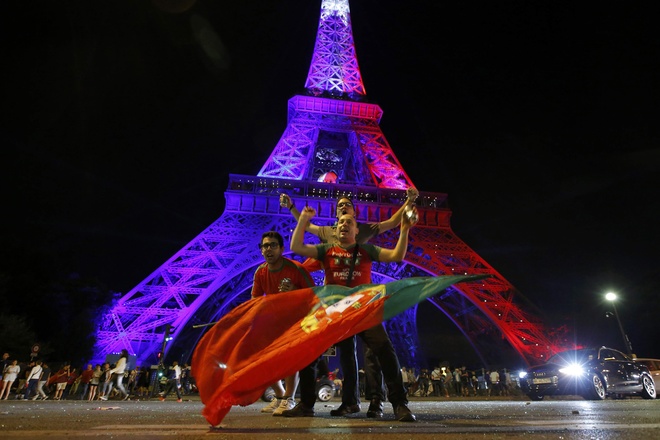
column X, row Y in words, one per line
column 308, row 384
column 83, row 390
column 348, row 362
column 31, row 388
column 106, row 388
column 172, row 383
column 40, row 388
column 384, row 361
column 120, row 384
column 375, row 388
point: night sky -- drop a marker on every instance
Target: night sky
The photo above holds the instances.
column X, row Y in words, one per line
column 124, row 119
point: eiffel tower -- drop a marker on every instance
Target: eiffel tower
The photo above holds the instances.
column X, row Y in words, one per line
column 332, row 146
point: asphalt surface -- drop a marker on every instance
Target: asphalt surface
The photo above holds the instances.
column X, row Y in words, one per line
column 464, row 418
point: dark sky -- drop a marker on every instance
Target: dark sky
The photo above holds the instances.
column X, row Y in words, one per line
column 123, row 120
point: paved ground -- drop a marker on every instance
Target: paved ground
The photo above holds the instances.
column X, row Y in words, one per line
column 471, row 418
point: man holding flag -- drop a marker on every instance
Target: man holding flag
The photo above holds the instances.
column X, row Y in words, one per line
column 255, row 344
column 348, row 264
column 374, row 389
column 279, row 274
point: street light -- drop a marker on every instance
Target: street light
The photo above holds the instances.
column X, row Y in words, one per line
column 611, row 297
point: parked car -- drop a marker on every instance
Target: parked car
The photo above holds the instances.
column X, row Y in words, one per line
column 325, row 390
column 592, row 373
column 654, row 368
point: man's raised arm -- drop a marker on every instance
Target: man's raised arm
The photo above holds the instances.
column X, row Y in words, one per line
column 393, row 221
column 285, row 199
column 297, row 245
column 396, row 255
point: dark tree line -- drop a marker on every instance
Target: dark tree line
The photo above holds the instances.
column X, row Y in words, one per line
column 44, row 303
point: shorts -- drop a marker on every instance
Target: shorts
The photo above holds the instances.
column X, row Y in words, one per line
column 61, row 386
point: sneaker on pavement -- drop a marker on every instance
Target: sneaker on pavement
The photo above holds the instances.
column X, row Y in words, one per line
column 403, row 414
column 45, row 398
column 161, row 398
column 300, row 410
column 345, row 409
column 179, row 400
column 285, row 404
column 272, row 406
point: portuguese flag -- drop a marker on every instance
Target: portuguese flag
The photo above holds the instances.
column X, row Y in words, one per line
column 268, row 338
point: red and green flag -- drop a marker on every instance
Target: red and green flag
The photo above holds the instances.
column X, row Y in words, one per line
column 268, row 338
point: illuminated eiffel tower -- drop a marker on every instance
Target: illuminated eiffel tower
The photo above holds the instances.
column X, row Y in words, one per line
column 332, row 146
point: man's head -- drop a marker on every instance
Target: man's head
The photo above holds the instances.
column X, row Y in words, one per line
column 347, row 229
column 345, row 206
column 272, row 246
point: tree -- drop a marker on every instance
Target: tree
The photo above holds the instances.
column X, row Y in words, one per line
column 45, row 301
column 16, row 336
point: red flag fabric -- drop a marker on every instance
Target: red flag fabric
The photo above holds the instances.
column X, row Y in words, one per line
column 271, row 337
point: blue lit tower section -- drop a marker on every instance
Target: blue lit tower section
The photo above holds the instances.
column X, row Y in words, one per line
column 332, row 146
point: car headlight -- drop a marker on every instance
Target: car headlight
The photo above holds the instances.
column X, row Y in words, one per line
column 572, row 370
column 522, row 374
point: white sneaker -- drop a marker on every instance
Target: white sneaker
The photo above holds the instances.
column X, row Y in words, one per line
column 284, row 405
column 271, row 406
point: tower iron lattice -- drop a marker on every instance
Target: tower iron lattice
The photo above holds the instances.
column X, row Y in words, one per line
column 332, row 146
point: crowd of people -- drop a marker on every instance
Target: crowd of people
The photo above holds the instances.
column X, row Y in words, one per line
column 37, row 380
column 447, row 382
column 443, row 381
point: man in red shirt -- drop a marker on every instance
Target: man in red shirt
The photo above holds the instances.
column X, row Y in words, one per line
column 279, row 274
column 374, row 387
column 85, row 379
column 349, row 264
column 61, row 378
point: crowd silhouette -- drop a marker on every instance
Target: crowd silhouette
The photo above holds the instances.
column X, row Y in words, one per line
column 40, row 380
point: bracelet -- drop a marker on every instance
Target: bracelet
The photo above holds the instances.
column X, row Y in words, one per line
column 291, row 207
